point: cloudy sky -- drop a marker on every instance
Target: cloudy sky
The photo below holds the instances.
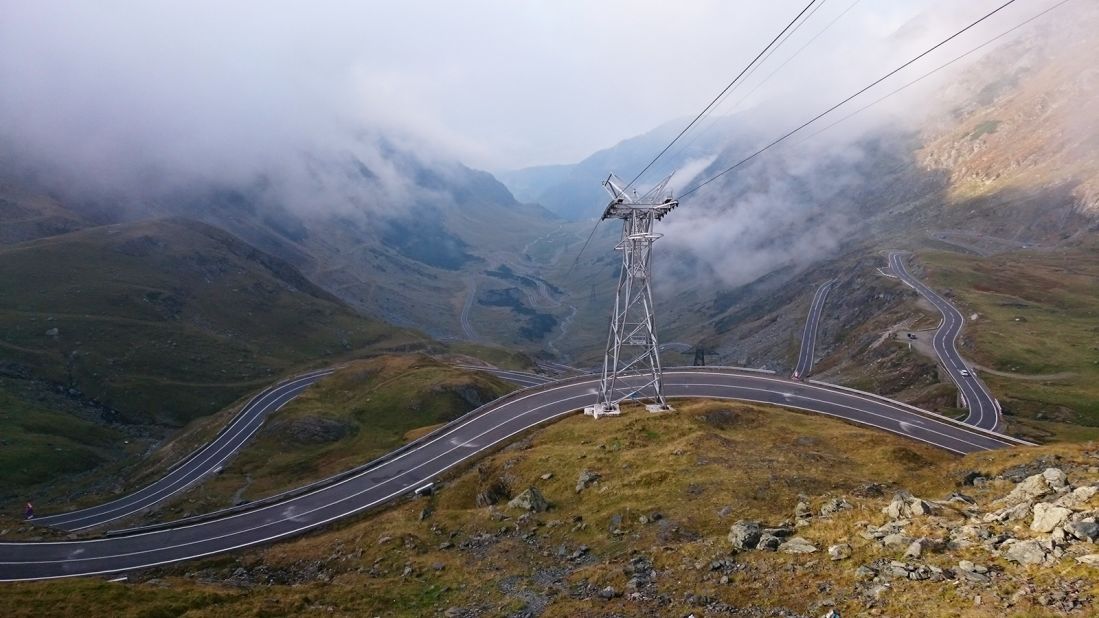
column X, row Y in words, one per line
column 500, row 84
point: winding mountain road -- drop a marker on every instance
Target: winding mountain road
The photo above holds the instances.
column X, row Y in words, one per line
column 426, row 461
column 809, row 334
column 197, row 465
column 984, row 410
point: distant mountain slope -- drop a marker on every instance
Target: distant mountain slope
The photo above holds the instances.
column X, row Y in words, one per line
column 397, row 235
column 166, row 320
column 574, row 192
column 1024, row 116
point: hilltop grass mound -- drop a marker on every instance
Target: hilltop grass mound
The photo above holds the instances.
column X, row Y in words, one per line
column 362, row 411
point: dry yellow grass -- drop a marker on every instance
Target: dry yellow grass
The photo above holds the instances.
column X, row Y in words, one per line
column 701, row 468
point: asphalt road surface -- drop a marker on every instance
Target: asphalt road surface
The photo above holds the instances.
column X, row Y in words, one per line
column 984, row 411
column 809, row 334
column 194, row 467
column 477, row 432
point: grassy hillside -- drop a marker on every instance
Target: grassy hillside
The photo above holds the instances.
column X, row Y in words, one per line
column 112, row 336
column 652, row 534
column 168, row 320
column 1037, row 329
column 358, row 413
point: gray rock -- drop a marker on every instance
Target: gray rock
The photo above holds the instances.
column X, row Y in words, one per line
column 744, row 534
column 803, row 511
column 915, row 549
column 609, row 593
column 768, row 542
column 898, row 507
column 530, row 500
column 1090, row 559
column 864, row 573
column 1030, row 489
column 1026, row 552
column 1077, row 497
column 1047, row 516
column 966, row 566
column 896, row 540
column 587, row 477
column 797, row 545
column 921, row 507
column 841, row 551
column 1055, row 478
column 1017, row 512
column 1083, row 530
column 833, row 506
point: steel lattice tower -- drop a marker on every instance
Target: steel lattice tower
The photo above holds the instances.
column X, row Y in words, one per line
column 631, row 365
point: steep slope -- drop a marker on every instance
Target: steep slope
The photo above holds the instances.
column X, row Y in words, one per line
column 163, row 321
column 1023, row 117
column 401, row 236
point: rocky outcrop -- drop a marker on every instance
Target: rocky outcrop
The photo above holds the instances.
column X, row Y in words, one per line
column 530, row 500
column 586, row 478
column 745, row 534
column 1047, row 517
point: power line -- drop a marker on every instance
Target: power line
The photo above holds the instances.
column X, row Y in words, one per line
column 720, row 94
column 848, row 99
column 736, row 105
column 695, row 121
column 708, row 116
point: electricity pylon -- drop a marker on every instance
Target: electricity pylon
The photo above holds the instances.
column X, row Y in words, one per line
column 631, row 364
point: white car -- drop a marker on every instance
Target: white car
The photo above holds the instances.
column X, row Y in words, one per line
column 964, row 372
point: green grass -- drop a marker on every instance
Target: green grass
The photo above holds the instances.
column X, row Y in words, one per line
column 168, row 320
column 1038, row 316
column 987, row 127
column 38, row 442
column 375, row 403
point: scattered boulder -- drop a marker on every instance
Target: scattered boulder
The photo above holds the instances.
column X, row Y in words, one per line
column 833, row 506
column 1036, row 486
column 609, row 593
column 530, row 500
column 1083, row 530
column 1047, row 517
column 1055, row 477
column 896, row 540
column 1017, row 512
column 803, row 512
column 797, row 545
column 921, row 507
column 1078, row 497
column 1026, row 552
column 769, row 542
column 840, row 551
column 904, row 506
column 915, row 549
column 745, row 534
column 1089, row 559
column 865, row 572
column 898, row 507
column 586, row 478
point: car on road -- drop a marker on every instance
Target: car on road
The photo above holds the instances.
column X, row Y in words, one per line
column 964, row 372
